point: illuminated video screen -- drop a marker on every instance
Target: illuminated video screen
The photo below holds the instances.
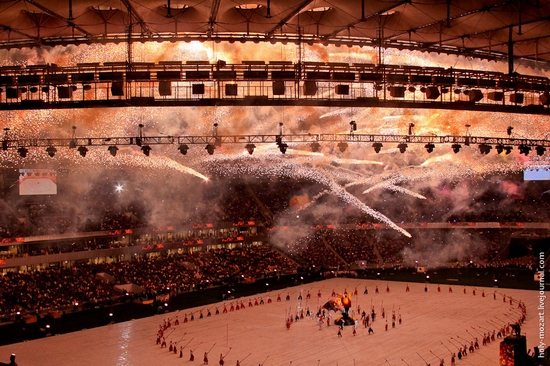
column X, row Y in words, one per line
column 34, row 182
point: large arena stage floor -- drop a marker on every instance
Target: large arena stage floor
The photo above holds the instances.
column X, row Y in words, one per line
column 434, row 324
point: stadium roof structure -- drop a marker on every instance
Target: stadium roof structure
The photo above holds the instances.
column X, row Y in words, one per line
column 489, row 29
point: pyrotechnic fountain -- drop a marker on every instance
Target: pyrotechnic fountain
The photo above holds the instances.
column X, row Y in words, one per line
column 336, row 171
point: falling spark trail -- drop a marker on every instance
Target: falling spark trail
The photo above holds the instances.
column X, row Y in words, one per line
column 395, row 188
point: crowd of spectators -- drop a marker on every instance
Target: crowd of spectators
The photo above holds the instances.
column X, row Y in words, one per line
column 313, row 251
column 57, row 287
column 352, row 245
column 242, row 202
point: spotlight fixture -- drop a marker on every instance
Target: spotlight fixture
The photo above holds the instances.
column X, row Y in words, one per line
column 183, row 149
column 342, row 146
column 524, row 149
column 456, row 148
column 82, row 150
column 146, row 149
column 508, row 149
column 112, row 149
column 315, row 146
column 23, row 152
column 402, row 147
column 540, row 150
column 429, row 147
column 377, row 147
column 485, row 149
column 51, row 151
column 250, row 148
column 282, row 147
column 210, row 148
column 500, row 148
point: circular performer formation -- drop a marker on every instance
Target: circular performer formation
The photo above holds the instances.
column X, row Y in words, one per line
column 396, row 323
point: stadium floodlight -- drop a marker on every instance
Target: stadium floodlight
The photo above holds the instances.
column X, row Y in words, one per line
column 22, row 152
column 485, row 149
column 82, row 150
column 250, row 148
column 315, row 146
column 524, row 149
column 113, row 150
column 183, row 149
column 342, row 146
column 51, row 151
column 210, row 148
column 146, row 150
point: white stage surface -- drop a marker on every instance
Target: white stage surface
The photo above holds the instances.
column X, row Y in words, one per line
column 433, row 324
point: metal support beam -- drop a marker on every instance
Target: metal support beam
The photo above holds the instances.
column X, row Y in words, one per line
column 62, row 18
column 363, row 18
column 213, row 16
column 465, row 140
column 510, row 51
column 283, row 21
column 9, row 29
column 134, row 14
